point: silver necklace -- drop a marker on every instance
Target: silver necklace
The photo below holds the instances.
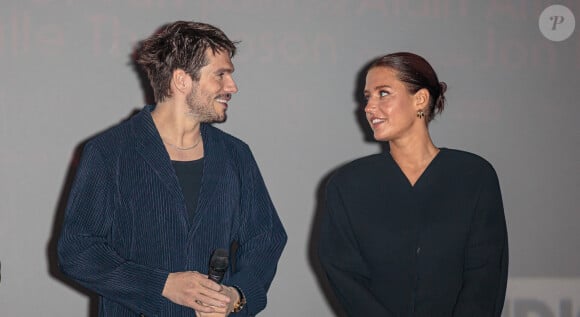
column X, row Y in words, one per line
column 183, row 148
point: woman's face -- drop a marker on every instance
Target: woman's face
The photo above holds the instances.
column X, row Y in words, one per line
column 391, row 109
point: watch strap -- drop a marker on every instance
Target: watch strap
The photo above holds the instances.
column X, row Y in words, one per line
column 241, row 302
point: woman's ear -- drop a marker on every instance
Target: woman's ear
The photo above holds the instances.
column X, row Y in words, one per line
column 422, row 99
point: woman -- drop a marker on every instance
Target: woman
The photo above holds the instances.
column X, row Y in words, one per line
column 418, row 231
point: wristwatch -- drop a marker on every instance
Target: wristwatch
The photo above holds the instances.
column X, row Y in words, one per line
column 241, row 302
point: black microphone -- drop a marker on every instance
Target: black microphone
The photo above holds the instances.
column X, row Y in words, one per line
column 218, row 265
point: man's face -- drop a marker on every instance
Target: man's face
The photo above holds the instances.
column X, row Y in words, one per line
column 208, row 100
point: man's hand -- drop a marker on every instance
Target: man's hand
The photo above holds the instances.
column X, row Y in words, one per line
column 234, row 296
column 196, row 291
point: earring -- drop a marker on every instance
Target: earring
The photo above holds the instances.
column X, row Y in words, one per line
column 420, row 114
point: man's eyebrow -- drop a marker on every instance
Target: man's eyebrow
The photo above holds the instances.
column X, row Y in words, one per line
column 225, row 70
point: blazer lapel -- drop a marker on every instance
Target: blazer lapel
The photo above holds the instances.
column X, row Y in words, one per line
column 211, row 175
column 211, row 168
column 149, row 145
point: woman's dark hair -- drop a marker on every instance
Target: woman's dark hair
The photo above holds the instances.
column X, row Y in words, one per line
column 179, row 45
column 416, row 73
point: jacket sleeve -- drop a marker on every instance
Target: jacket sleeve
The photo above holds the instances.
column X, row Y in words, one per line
column 261, row 239
column 85, row 250
column 345, row 268
column 486, row 259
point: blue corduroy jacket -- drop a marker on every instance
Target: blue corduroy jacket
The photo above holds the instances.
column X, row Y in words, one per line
column 126, row 227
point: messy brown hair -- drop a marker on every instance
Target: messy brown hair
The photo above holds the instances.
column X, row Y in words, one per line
column 179, row 45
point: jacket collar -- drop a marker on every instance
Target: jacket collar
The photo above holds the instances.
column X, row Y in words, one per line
column 150, row 146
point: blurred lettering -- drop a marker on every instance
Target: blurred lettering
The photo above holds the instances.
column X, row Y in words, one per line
column 514, row 9
column 291, row 47
column 19, row 36
column 108, row 34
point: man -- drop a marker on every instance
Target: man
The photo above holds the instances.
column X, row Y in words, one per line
column 157, row 194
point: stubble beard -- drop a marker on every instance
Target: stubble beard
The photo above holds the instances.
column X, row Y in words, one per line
column 203, row 111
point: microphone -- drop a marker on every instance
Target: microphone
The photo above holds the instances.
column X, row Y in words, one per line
column 218, row 265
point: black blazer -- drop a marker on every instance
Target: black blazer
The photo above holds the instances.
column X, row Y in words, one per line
column 438, row 248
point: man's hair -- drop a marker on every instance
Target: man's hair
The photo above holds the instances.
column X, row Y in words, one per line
column 180, row 45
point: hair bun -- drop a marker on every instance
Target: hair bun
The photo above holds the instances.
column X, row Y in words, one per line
column 442, row 87
column 439, row 104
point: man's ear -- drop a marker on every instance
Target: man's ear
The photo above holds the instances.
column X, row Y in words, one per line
column 180, row 81
column 422, row 99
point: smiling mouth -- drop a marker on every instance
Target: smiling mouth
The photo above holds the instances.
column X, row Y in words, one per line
column 224, row 99
column 375, row 121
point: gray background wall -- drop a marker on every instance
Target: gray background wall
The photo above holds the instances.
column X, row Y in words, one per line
column 65, row 74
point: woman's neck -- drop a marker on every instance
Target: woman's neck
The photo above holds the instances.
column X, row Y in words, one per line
column 413, row 152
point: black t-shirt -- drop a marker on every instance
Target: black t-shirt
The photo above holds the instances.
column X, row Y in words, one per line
column 189, row 174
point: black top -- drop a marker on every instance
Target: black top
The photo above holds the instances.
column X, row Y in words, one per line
column 189, row 174
column 438, row 248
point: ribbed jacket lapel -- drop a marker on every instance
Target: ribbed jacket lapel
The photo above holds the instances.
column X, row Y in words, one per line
column 149, row 145
column 211, row 169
